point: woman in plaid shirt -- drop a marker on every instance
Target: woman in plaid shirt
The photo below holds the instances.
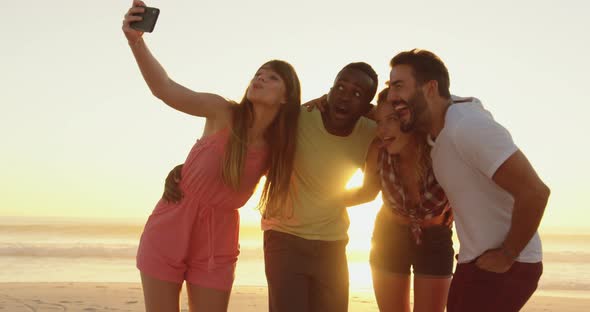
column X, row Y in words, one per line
column 412, row 228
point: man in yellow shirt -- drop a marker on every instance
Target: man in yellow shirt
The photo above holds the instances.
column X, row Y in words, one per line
column 305, row 246
column 305, row 239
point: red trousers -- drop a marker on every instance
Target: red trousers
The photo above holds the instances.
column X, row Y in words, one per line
column 474, row 289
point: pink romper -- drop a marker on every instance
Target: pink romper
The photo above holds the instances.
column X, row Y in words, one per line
column 197, row 239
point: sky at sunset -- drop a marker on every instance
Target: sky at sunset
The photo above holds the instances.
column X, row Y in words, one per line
column 83, row 137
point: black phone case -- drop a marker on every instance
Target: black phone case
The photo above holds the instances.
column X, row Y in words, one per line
column 150, row 16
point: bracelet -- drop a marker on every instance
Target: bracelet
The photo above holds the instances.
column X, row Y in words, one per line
column 508, row 254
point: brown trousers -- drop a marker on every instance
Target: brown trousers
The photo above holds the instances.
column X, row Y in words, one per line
column 305, row 275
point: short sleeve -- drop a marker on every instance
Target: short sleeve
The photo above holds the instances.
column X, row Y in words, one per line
column 483, row 143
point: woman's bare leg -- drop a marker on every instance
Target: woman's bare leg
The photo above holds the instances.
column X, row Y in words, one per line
column 430, row 293
column 392, row 291
column 201, row 299
column 159, row 295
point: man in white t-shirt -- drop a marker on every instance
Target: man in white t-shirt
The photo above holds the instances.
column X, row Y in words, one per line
column 497, row 198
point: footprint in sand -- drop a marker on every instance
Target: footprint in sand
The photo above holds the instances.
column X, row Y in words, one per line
column 46, row 306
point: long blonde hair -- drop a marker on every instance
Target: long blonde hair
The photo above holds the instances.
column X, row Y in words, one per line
column 423, row 158
column 280, row 137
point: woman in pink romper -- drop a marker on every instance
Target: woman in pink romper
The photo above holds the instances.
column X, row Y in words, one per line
column 196, row 239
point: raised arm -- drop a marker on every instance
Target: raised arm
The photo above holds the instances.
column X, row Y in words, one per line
column 207, row 105
column 371, row 183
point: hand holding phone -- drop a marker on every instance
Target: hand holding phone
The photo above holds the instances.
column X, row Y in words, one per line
column 149, row 17
column 134, row 22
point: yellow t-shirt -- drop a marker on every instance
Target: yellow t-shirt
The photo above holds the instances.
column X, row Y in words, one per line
column 324, row 163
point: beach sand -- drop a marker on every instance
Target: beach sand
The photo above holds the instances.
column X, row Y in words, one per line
column 89, row 297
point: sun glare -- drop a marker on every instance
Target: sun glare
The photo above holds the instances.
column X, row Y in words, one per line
column 356, row 180
column 362, row 218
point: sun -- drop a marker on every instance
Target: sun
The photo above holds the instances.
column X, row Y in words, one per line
column 362, row 220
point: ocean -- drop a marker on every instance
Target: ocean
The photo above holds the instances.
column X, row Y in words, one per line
column 36, row 250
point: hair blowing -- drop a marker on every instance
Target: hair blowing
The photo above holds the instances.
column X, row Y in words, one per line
column 426, row 66
column 280, row 137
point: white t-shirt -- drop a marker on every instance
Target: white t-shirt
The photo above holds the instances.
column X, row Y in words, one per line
column 466, row 154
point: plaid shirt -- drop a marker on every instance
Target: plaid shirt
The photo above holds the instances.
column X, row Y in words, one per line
column 433, row 201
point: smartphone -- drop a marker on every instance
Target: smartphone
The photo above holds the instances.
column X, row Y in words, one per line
column 150, row 16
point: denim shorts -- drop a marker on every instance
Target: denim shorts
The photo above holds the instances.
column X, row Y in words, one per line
column 394, row 249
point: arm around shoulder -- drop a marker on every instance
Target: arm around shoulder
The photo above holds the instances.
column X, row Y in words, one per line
column 371, row 183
